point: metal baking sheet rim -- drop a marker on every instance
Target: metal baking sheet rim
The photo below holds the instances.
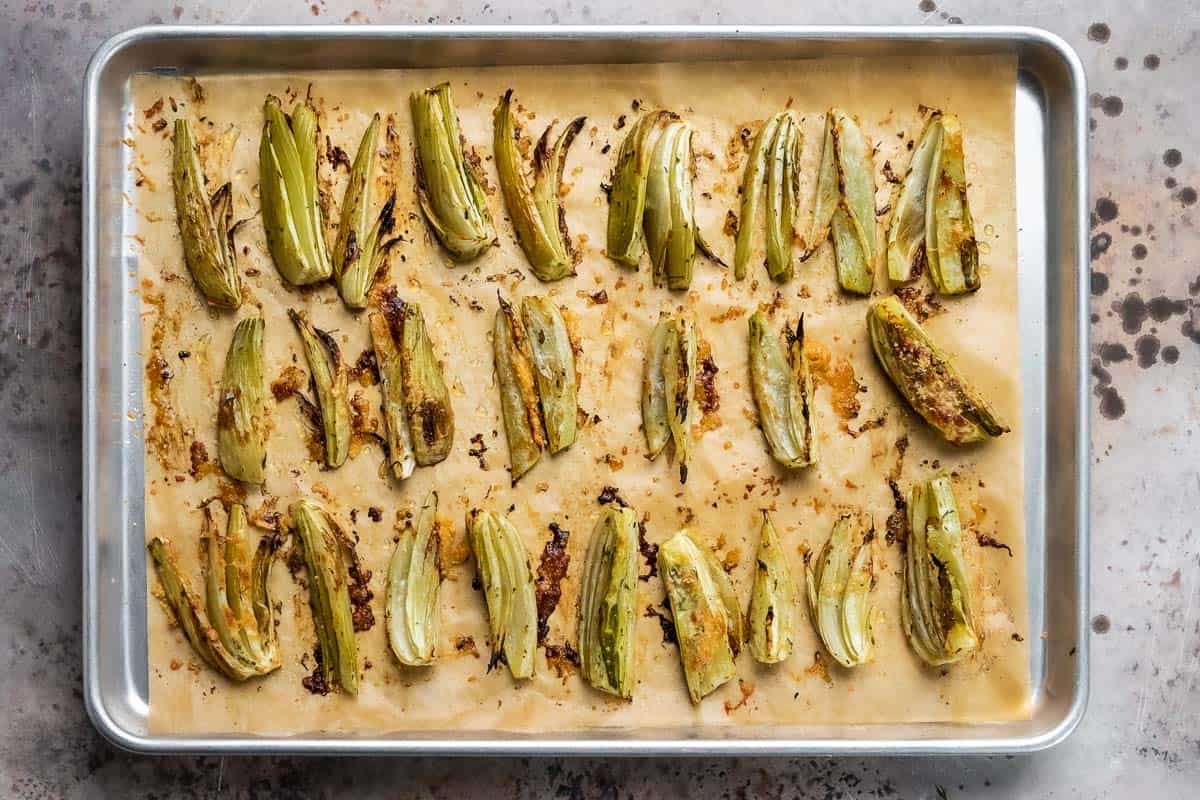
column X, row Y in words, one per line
column 96, row 554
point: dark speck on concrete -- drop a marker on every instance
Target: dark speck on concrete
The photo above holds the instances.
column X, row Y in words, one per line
column 1099, row 32
column 1172, row 158
column 1170, row 183
column 1112, row 106
column 20, row 190
column 1111, row 404
column 1170, row 354
column 1189, row 330
column 1133, row 312
column 1100, row 245
column 1106, row 209
column 1162, row 308
column 1139, row 251
column 1187, row 195
column 1101, row 624
column 927, row 6
column 1099, row 283
column 1121, row 63
column 1113, row 352
column 1151, row 61
column 1146, row 348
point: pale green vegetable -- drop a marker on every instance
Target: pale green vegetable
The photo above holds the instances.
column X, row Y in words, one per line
column 507, row 579
column 361, row 245
column 608, row 603
column 331, row 386
column 234, row 630
column 627, row 201
column 517, row 379
column 679, row 379
column 654, row 391
column 839, row 582
column 536, row 211
column 554, row 368
column 669, row 220
column 205, row 224
column 242, row 406
column 291, row 206
column 669, row 388
column 752, row 188
column 906, row 232
column 412, row 613
column 952, row 251
column 772, row 600
column 783, row 393
column 448, row 188
column 926, row 377
column 321, row 544
column 844, row 208
column 936, row 606
column 708, row 619
column 401, row 459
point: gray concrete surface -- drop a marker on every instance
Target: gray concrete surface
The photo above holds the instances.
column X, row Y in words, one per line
column 1142, row 732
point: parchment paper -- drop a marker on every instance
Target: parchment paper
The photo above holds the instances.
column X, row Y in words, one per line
column 731, row 476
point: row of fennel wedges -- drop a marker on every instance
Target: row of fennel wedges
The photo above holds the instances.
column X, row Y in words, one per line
column 651, row 202
column 231, row 625
column 538, row 383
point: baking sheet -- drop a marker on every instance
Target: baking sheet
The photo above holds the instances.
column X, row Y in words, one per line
column 729, row 468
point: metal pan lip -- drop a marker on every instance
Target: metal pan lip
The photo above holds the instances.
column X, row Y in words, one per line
column 601, row 744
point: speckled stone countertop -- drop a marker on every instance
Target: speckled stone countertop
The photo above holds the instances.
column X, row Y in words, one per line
column 1142, row 730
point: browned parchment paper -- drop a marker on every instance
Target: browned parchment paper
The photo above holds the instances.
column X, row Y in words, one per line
column 731, row 476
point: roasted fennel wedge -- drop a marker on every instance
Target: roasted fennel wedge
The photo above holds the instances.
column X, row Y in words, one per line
column 936, row 606
column 932, row 225
column 783, row 393
column 925, row 376
column 507, row 580
column 669, row 218
column 536, row 209
column 774, row 164
column 362, row 243
column 412, row 614
column 669, row 389
column 321, row 542
column 242, row 406
column 517, row 380
column 554, row 370
column 535, row 371
column 291, row 204
column 330, row 386
column 625, row 241
column 906, row 231
column 844, row 208
column 233, row 629
column 205, row 224
column 652, row 201
column 839, row 581
column 417, row 413
column 951, row 250
column 448, row 188
column 772, row 617
column 708, row 618
column 608, row 603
